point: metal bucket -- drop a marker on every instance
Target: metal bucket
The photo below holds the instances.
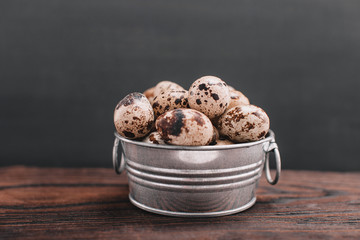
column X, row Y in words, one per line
column 192, row 181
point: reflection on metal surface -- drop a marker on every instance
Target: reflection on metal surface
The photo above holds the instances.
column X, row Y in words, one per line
column 195, row 181
column 197, row 157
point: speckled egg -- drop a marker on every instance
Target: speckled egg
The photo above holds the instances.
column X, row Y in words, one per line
column 220, row 142
column 154, row 138
column 237, row 98
column 244, row 123
column 185, row 127
column 166, row 86
column 216, row 133
column 215, row 136
column 231, row 88
column 149, row 94
column 209, row 95
column 134, row 116
column 170, row 100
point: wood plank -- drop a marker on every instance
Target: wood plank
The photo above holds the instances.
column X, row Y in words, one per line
column 56, row 203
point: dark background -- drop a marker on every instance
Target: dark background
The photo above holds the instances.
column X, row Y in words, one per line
column 65, row 64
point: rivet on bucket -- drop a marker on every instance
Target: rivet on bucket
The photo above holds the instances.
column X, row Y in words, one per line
column 195, row 181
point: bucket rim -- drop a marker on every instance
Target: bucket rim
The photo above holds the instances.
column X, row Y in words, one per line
column 269, row 136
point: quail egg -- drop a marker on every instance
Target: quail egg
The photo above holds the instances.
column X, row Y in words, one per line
column 231, row 88
column 220, row 142
column 185, row 127
column 134, row 116
column 149, row 94
column 166, row 86
column 154, row 138
column 237, row 98
column 170, row 100
column 209, row 95
column 215, row 136
column 244, row 123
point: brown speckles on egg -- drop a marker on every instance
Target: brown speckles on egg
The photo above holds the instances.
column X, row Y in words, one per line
column 154, row 138
column 169, row 100
column 249, row 126
column 132, row 116
column 235, row 114
column 128, row 134
column 149, row 125
column 199, row 118
column 240, row 124
column 215, row 96
column 129, row 99
column 185, row 127
column 209, row 93
column 203, row 87
column 170, row 124
column 262, row 135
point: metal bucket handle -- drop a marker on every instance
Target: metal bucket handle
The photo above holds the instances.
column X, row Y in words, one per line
column 272, row 147
column 268, row 147
column 119, row 166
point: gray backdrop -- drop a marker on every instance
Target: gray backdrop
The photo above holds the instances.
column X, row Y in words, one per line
column 65, row 64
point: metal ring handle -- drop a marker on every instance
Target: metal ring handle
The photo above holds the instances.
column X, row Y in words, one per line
column 118, row 165
column 272, row 147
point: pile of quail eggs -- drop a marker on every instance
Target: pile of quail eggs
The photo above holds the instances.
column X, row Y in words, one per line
column 209, row 113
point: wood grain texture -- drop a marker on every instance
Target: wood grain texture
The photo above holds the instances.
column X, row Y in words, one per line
column 54, row 203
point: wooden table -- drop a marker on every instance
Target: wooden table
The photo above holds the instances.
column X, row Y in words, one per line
column 57, row 203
